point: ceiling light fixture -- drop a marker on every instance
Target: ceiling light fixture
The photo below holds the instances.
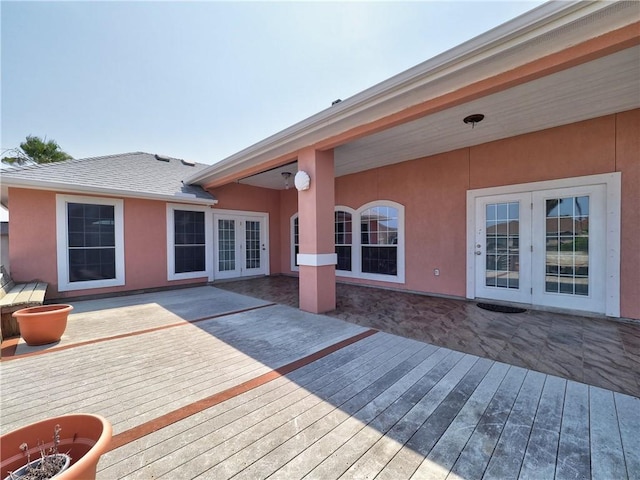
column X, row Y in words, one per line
column 473, row 119
column 286, row 176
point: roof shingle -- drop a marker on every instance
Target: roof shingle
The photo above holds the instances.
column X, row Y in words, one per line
column 137, row 172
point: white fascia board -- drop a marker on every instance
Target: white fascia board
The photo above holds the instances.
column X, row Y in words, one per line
column 547, row 17
column 66, row 188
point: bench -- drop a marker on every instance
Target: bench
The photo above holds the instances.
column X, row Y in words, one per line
column 14, row 296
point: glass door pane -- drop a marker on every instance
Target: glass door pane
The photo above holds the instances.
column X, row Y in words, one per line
column 502, row 240
column 226, row 245
column 567, row 245
column 252, row 244
column 502, row 248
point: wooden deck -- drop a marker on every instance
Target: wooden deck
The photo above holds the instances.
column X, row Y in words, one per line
column 275, row 392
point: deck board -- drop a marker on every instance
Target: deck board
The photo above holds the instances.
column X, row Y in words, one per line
column 573, row 448
column 628, row 410
column 607, row 456
column 442, row 457
column 542, row 448
column 477, row 453
column 507, row 457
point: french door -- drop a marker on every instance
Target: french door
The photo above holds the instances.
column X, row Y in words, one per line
column 543, row 247
column 502, row 247
column 241, row 246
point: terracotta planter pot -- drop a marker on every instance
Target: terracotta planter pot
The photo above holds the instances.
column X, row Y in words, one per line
column 84, row 436
column 44, row 324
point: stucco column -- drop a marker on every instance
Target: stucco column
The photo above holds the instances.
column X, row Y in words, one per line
column 317, row 259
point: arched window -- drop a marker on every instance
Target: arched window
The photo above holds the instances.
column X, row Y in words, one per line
column 369, row 242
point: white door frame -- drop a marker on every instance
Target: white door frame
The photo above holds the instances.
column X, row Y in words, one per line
column 240, row 215
column 611, row 183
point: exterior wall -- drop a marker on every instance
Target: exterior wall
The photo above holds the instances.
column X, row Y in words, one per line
column 433, row 191
column 628, row 162
column 32, row 242
column 254, row 199
column 34, row 253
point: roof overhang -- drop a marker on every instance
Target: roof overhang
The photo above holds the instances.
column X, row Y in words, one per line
column 93, row 190
column 553, row 38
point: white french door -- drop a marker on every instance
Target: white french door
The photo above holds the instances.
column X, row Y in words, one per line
column 569, row 248
column 241, row 245
column 544, row 247
column 502, row 247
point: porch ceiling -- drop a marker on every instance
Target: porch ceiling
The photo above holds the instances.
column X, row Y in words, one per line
column 603, row 86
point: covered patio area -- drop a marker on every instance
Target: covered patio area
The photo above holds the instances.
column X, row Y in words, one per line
column 597, row 351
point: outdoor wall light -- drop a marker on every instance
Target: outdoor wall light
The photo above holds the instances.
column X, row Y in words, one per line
column 473, row 119
column 302, row 180
column 286, row 176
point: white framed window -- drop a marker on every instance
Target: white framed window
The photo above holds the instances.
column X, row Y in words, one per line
column 90, row 242
column 189, row 242
column 369, row 242
column 295, row 241
column 344, row 237
column 380, row 228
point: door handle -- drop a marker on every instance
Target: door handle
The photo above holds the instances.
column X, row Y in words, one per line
column 478, row 252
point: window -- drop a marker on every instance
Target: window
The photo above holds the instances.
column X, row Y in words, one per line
column 369, row 242
column 379, row 240
column 90, row 242
column 189, row 242
column 295, row 242
column 343, row 239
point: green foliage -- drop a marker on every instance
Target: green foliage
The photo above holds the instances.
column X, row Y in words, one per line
column 35, row 150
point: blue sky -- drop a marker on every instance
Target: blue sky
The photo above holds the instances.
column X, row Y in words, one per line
column 203, row 80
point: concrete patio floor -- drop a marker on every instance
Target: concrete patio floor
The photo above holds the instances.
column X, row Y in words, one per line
column 205, row 383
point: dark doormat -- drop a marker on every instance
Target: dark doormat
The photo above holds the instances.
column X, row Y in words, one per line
column 500, row 308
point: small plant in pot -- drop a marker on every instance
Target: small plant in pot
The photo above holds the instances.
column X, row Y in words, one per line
column 49, row 464
column 84, row 437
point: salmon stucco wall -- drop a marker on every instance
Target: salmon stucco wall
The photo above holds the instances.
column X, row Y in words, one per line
column 34, row 253
column 32, row 238
column 584, row 148
column 288, row 208
column 247, row 198
column 628, row 162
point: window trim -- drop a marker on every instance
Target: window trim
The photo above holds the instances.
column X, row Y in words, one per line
column 62, row 242
column 292, row 244
column 208, row 249
column 356, row 258
column 357, row 244
column 354, row 216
